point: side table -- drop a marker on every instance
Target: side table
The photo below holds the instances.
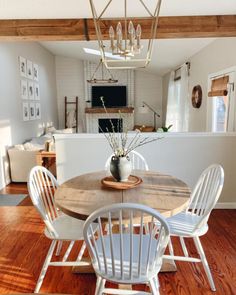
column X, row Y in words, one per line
column 47, row 159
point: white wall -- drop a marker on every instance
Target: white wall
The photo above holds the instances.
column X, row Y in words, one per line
column 70, row 83
column 148, row 88
column 217, row 56
column 71, row 75
column 182, row 155
column 12, row 128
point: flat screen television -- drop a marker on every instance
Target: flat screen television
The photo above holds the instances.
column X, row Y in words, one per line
column 113, row 96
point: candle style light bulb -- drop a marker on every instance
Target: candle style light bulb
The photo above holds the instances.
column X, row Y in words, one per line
column 138, row 36
column 119, row 36
column 111, row 32
column 131, row 28
column 131, row 32
column 112, row 36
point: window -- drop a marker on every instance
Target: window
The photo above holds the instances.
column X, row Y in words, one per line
column 178, row 101
column 221, row 102
column 220, row 113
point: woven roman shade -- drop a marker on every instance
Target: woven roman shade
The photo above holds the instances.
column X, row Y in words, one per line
column 219, row 87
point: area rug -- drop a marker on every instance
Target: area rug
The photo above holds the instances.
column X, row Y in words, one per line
column 11, row 200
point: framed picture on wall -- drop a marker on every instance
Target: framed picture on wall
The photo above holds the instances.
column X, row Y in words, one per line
column 23, row 89
column 35, row 72
column 30, row 90
column 36, row 91
column 32, row 110
column 37, row 110
column 22, row 66
column 29, row 69
column 25, row 111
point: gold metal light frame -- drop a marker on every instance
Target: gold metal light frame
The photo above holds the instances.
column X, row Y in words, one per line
column 126, row 61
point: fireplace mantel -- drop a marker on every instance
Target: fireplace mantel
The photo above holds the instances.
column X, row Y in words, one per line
column 126, row 110
column 94, row 114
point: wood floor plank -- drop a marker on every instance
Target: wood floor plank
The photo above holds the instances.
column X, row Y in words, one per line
column 23, row 248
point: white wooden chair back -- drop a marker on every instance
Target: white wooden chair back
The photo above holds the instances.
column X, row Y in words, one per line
column 126, row 256
column 206, row 193
column 137, row 160
column 42, row 186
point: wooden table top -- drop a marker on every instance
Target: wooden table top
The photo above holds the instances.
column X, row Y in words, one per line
column 82, row 195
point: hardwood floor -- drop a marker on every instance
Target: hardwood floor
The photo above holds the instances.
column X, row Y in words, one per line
column 15, row 188
column 23, row 248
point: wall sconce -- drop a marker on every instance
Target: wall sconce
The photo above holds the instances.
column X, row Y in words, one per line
column 146, row 108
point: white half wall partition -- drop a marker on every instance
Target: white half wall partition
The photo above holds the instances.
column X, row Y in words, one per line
column 184, row 155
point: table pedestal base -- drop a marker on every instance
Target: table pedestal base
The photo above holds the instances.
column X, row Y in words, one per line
column 167, row 266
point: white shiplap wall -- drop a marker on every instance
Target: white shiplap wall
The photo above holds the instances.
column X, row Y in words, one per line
column 124, row 77
column 71, row 81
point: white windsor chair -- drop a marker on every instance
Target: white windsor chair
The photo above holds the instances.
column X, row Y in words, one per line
column 59, row 227
column 192, row 223
column 126, row 257
column 138, row 161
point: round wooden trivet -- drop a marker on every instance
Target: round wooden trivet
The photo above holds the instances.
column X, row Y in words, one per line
column 110, row 182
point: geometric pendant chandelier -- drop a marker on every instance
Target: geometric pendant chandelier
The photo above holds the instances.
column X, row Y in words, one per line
column 130, row 40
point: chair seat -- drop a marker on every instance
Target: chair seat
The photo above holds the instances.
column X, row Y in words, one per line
column 184, row 224
column 126, row 259
column 67, row 228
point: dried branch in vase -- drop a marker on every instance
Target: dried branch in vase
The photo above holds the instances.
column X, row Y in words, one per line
column 118, row 141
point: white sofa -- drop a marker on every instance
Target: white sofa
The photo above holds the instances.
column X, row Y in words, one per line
column 21, row 162
column 23, row 157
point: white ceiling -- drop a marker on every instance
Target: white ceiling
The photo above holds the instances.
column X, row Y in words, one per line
column 80, row 8
column 167, row 53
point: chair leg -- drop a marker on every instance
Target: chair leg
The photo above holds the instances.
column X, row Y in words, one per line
column 68, row 251
column 81, row 252
column 170, row 247
column 154, row 286
column 204, row 262
column 184, row 248
column 156, row 281
column 59, row 246
column 45, row 266
column 100, row 286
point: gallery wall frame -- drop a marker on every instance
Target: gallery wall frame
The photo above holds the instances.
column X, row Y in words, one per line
column 37, row 110
column 29, row 89
column 36, row 91
column 22, row 66
column 25, row 111
column 36, row 72
column 24, row 89
column 32, row 110
column 29, row 69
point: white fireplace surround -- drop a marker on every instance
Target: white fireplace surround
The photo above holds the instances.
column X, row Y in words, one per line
column 125, row 77
column 92, row 120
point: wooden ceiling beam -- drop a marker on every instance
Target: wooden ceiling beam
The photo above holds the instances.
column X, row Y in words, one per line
column 75, row 29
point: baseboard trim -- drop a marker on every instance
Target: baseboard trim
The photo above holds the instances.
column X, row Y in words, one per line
column 227, row 205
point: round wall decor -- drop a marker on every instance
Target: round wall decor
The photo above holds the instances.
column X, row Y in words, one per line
column 197, row 96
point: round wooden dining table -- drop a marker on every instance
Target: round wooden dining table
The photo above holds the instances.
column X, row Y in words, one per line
column 82, row 195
